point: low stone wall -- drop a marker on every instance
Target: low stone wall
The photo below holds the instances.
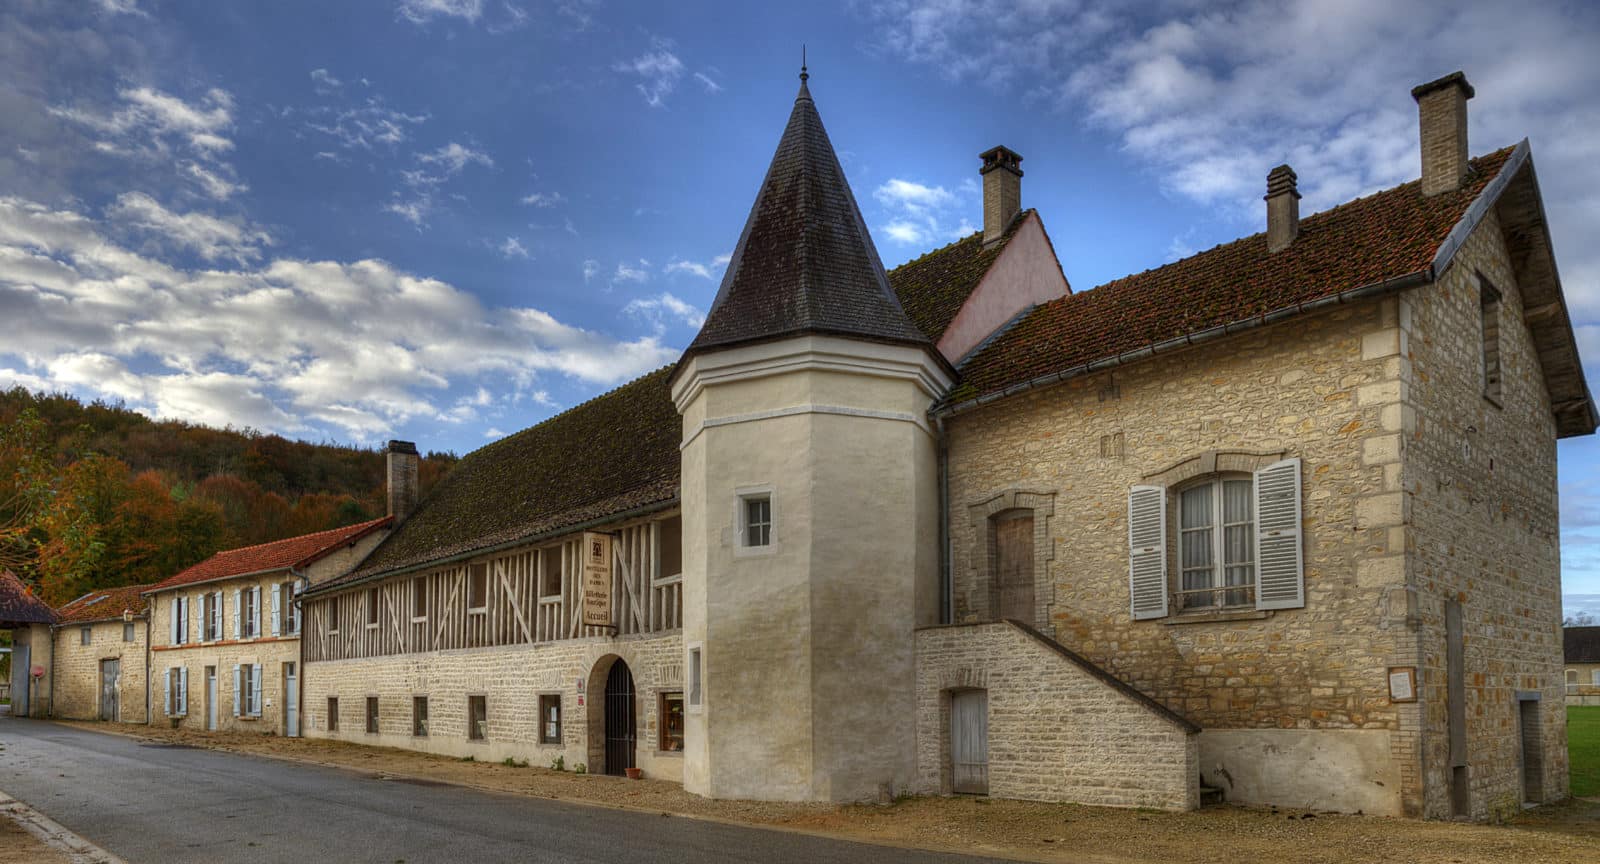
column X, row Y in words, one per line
column 512, row 678
column 1583, row 696
column 1059, row 728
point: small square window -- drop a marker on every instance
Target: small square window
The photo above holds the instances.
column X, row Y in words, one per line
column 85, row 635
column 372, row 607
column 333, row 713
column 478, row 586
column 755, row 520
column 672, row 721
column 550, row 718
column 372, row 714
column 419, row 598
column 127, row 631
column 419, row 716
column 477, row 718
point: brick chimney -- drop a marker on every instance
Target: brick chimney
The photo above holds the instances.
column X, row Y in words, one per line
column 1283, row 208
column 402, row 478
column 1002, row 191
column 1442, row 109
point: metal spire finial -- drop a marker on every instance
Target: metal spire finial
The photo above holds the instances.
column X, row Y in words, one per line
column 803, row 73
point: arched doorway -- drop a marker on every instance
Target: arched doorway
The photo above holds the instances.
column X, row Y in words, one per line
column 621, row 724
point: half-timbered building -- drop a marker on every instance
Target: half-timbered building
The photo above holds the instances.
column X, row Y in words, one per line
column 1278, row 519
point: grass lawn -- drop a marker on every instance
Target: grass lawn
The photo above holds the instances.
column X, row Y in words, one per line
column 1583, row 748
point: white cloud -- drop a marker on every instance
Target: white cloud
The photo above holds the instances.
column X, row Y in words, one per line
column 454, row 157
column 695, row 268
column 414, row 210
column 922, row 215
column 123, row 7
column 659, row 70
column 423, row 11
column 449, row 160
column 153, row 126
column 707, row 82
column 493, row 432
column 662, row 308
column 352, row 348
column 362, row 127
column 323, row 82
column 211, row 238
column 512, row 248
column 591, row 269
column 628, row 273
column 543, row 199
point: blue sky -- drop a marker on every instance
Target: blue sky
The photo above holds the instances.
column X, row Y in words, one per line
column 444, row 220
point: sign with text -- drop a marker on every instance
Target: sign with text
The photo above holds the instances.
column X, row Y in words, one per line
column 596, row 580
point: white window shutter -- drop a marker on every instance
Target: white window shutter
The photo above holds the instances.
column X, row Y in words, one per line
column 174, row 626
column 237, row 633
column 236, row 690
column 1280, row 578
column 255, row 612
column 255, row 690
column 183, row 691
column 166, row 700
column 277, row 613
column 1147, row 551
column 217, row 611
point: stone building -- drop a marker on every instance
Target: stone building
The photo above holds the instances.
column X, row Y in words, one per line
column 29, row 621
column 225, row 633
column 100, row 662
column 1280, row 515
column 1581, row 666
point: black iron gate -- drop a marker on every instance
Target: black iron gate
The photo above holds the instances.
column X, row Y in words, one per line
column 619, row 719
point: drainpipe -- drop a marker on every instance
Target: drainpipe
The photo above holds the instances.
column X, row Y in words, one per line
column 947, row 611
column 304, row 582
column 148, row 717
column 50, row 703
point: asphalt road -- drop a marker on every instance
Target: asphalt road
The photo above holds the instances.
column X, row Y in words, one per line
column 157, row 803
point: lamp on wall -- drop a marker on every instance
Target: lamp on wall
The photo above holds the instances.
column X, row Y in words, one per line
column 127, row 615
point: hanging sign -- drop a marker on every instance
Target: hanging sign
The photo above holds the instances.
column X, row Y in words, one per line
column 596, row 580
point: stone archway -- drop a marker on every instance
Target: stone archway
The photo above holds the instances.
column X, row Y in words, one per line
column 613, row 719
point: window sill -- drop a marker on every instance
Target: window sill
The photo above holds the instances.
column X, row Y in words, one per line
column 669, row 754
column 1494, row 400
column 551, row 745
column 477, row 610
column 1220, row 615
column 372, row 626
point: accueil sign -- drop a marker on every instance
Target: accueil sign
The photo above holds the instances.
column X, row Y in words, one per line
column 596, row 580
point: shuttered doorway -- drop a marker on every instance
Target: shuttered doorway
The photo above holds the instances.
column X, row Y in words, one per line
column 969, row 742
column 109, row 673
column 620, row 719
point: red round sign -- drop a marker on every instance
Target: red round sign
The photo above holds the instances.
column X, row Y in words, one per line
column 38, row 671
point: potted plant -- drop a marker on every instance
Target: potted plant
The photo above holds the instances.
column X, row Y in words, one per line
column 634, row 773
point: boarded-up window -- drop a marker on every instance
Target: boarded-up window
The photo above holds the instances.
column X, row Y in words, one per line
column 550, row 718
column 550, row 572
column 477, row 717
column 478, row 586
column 333, row 713
column 671, row 546
column 1013, row 565
column 372, row 607
column 419, row 597
column 419, row 716
column 372, row 714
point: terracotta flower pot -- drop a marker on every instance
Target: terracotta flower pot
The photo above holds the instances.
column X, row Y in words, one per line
column 634, row 773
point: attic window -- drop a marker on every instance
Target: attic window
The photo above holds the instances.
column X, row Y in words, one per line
column 1489, row 321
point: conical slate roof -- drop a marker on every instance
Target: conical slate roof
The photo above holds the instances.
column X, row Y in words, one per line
column 805, row 262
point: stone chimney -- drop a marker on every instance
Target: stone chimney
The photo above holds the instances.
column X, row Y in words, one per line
column 1283, row 208
column 1002, row 191
column 1442, row 109
column 402, row 478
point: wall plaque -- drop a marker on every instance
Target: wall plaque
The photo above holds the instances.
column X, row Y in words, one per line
column 596, row 579
column 1402, row 683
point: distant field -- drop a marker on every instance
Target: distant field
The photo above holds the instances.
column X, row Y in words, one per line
column 1583, row 748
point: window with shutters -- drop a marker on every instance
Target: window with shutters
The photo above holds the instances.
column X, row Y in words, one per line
column 1216, row 544
column 477, row 718
column 250, row 690
column 419, row 716
column 333, row 713
column 249, row 606
column 372, row 715
column 478, row 587
column 372, row 607
column 1235, row 544
column 419, row 598
column 180, row 620
column 550, row 718
column 291, row 613
column 211, row 623
column 1489, row 333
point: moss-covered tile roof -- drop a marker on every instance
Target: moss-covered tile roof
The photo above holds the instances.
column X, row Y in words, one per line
column 1367, row 241
column 933, row 288
column 615, row 453
column 19, row 605
column 105, row 604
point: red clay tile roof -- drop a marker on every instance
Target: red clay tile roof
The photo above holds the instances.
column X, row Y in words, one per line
column 1580, row 644
column 278, row 555
column 1367, row 241
column 104, row 604
column 615, row 453
column 18, row 605
column 933, row 288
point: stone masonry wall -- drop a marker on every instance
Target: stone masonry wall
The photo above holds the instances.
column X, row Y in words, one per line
column 1056, row 732
column 1480, row 484
column 1324, row 388
column 77, row 668
column 512, row 679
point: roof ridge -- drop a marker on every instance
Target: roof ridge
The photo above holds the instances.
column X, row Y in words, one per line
column 366, row 524
column 564, row 412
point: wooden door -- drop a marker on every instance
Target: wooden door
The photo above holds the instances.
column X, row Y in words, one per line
column 291, row 702
column 969, row 742
column 1013, row 565
column 21, row 678
column 620, row 720
column 211, row 698
column 109, row 673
